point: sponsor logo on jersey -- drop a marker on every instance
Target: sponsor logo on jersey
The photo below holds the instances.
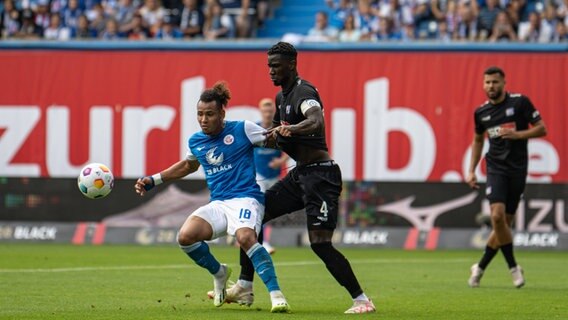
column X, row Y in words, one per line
column 212, row 159
column 495, row 132
column 509, row 112
column 229, row 139
column 200, row 148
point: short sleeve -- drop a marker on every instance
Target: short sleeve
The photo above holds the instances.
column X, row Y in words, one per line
column 479, row 129
column 255, row 133
column 529, row 111
column 189, row 155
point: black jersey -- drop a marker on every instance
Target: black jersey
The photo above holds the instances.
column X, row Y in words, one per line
column 506, row 156
column 288, row 112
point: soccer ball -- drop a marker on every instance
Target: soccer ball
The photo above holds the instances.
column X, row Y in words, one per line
column 95, row 181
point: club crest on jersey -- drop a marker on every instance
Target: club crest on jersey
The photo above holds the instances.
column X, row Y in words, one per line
column 288, row 107
column 509, row 112
column 212, row 159
column 229, row 139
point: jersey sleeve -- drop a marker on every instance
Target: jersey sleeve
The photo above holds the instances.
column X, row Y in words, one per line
column 255, row 133
column 479, row 129
column 189, row 154
column 529, row 111
column 306, row 93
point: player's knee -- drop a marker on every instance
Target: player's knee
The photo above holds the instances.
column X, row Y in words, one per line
column 498, row 218
column 185, row 238
column 246, row 238
column 321, row 249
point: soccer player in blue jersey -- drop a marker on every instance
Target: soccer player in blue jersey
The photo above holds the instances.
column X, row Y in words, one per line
column 225, row 150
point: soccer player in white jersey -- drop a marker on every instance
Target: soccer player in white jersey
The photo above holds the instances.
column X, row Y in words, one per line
column 225, row 150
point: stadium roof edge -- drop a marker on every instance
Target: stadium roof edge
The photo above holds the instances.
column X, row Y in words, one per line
column 261, row 45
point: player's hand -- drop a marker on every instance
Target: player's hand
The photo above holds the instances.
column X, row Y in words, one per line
column 471, row 180
column 508, row 133
column 276, row 163
column 284, row 130
column 144, row 184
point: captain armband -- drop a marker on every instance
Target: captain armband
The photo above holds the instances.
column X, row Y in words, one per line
column 308, row 104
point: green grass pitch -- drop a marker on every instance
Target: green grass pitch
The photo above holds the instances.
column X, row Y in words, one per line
column 39, row 281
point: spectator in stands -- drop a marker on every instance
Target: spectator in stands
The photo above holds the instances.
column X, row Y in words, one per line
column 503, row 29
column 548, row 23
column 366, row 20
column 466, row 28
column 168, row 30
column 529, row 31
column 514, row 10
column 486, row 19
column 56, row 31
column 98, row 18
column 152, row 13
column 192, row 19
column 349, row 32
column 83, row 30
column 9, row 19
column 443, row 34
column 217, row 23
column 562, row 11
column 262, row 12
column 387, row 31
column 561, row 33
column 341, row 10
column 111, row 31
column 241, row 16
column 138, row 31
column 125, row 11
column 425, row 25
column 42, row 14
column 407, row 33
column 322, row 31
column 29, row 30
column 70, row 14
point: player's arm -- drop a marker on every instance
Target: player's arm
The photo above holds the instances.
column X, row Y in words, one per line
column 476, row 149
column 279, row 162
column 535, row 131
column 313, row 124
column 177, row 171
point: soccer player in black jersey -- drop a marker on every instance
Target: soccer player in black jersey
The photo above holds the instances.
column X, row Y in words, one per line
column 509, row 121
column 314, row 184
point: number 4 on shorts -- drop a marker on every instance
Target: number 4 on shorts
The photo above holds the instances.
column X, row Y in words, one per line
column 323, row 211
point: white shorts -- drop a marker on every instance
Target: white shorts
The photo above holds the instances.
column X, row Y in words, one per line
column 265, row 183
column 227, row 216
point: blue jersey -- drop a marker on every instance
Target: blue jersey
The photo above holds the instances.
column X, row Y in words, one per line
column 227, row 160
column 262, row 157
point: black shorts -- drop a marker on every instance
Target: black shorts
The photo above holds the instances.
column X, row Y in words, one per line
column 505, row 189
column 314, row 187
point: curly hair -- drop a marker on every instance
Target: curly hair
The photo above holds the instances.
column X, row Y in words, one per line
column 285, row 49
column 219, row 93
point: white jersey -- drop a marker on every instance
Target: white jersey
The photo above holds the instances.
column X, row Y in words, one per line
column 228, row 160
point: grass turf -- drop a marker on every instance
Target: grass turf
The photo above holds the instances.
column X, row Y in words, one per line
column 39, row 281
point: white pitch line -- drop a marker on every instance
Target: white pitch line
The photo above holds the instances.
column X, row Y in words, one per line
column 189, row 265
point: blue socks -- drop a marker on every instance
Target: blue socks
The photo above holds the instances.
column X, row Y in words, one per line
column 199, row 252
column 264, row 267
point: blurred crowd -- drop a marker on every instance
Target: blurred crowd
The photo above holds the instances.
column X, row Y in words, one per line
column 539, row 21
column 130, row 19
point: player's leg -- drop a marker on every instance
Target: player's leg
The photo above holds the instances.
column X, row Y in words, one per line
column 322, row 187
column 283, row 197
column 496, row 194
column 204, row 224
column 516, row 187
column 244, row 222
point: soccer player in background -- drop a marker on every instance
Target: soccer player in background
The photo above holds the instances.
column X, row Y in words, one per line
column 509, row 119
column 225, row 150
column 268, row 162
column 314, row 184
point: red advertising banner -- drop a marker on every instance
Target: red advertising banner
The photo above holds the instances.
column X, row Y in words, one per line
column 390, row 116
